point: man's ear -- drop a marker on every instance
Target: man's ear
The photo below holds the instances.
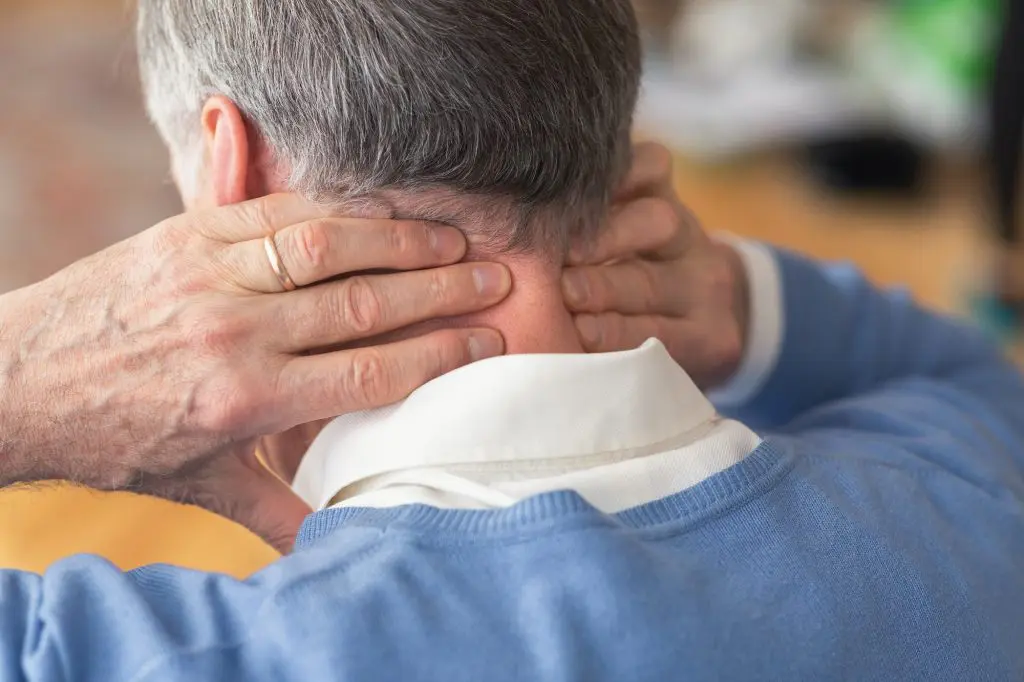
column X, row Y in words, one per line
column 230, row 164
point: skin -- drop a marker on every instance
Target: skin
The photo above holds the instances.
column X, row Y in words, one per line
column 158, row 364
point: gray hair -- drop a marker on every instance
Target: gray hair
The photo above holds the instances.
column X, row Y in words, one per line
column 528, row 102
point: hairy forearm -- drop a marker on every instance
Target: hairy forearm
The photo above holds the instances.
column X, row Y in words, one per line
column 14, row 450
column 27, row 450
column 53, row 380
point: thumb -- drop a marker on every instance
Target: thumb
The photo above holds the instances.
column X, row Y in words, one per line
column 237, row 486
column 255, row 498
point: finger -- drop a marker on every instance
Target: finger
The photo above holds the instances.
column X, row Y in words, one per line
column 709, row 349
column 320, row 249
column 235, row 485
column 614, row 332
column 651, row 177
column 630, row 288
column 650, row 170
column 641, row 226
column 332, row 384
column 365, row 306
column 708, row 352
column 256, row 218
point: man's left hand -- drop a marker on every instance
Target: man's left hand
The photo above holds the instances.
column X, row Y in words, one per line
column 654, row 272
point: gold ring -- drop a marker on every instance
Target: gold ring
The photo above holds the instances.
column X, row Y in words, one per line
column 277, row 265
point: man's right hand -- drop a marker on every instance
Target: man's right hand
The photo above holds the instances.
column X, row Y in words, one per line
column 141, row 366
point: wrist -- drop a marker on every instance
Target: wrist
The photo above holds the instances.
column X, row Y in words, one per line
column 759, row 314
column 741, row 296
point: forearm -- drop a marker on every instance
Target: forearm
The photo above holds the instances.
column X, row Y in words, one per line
column 51, row 424
column 87, row 620
column 23, row 440
column 838, row 336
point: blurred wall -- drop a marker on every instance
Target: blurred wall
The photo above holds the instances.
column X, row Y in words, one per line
column 80, row 166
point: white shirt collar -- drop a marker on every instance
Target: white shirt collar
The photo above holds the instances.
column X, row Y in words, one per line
column 516, row 410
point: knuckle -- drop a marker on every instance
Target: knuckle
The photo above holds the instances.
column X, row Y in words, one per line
column 598, row 289
column 648, row 292
column 224, row 404
column 443, row 352
column 660, row 159
column 257, row 213
column 224, row 409
column 720, row 280
column 368, row 380
column 452, row 352
column 440, row 289
column 407, row 241
column 169, row 237
column 362, row 308
column 732, row 345
column 610, row 331
column 663, row 218
column 311, row 244
column 725, row 352
column 214, row 331
column 173, row 263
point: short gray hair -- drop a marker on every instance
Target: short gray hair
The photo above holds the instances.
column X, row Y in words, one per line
column 525, row 101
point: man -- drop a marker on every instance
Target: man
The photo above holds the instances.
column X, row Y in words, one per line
column 554, row 515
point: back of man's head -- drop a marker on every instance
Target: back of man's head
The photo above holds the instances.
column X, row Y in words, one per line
column 517, row 109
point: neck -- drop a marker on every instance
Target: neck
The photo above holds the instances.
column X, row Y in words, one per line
column 533, row 319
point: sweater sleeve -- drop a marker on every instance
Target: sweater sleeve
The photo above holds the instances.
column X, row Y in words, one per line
column 842, row 338
column 87, row 620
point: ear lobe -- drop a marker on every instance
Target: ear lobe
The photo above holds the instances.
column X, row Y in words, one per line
column 227, row 151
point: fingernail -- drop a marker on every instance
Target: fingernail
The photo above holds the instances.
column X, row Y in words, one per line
column 491, row 279
column 590, row 330
column 485, row 344
column 575, row 288
column 448, row 243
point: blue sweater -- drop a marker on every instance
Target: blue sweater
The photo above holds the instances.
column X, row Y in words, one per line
column 878, row 536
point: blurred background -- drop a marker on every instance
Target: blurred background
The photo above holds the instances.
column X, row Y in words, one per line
column 847, row 129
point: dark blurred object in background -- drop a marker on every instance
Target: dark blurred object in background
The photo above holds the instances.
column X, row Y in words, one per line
column 870, row 162
column 1005, row 141
column 1007, row 124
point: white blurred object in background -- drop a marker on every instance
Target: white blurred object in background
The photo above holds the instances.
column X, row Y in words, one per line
column 721, row 37
column 744, row 74
column 737, row 81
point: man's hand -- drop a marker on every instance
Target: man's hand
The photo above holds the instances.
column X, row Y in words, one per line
column 156, row 364
column 656, row 273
